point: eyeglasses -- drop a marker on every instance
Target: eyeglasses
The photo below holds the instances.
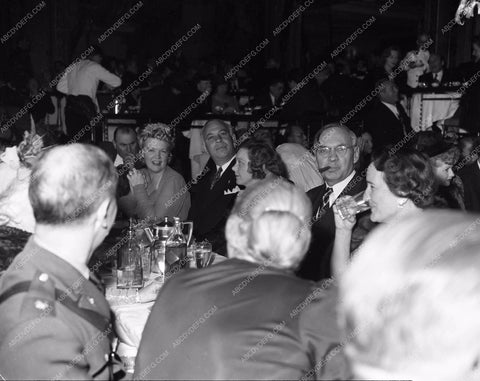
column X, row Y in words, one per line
column 339, row 150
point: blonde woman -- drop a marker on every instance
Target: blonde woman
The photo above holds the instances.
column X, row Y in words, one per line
column 157, row 191
column 255, row 318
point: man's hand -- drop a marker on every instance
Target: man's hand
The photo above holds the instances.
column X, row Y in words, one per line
column 129, row 160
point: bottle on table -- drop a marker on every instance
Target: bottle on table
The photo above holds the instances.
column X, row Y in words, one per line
column 129, row 262
column 176, row 249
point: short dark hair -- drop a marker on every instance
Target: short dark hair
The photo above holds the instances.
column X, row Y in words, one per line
column 263, row 155
column 123, row 130
column 274, row 80
column 96, row 51
column 386, row 52
column 69, row 182
column 409, row 174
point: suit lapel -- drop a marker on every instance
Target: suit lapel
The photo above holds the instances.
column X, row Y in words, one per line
column 226, row 181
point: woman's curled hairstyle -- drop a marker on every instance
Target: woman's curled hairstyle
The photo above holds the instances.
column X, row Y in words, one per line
column 408, row 174
column 262, row 157
column 269, row 224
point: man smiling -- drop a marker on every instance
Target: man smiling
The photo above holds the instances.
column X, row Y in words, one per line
column 336, row 153
column 214, row 193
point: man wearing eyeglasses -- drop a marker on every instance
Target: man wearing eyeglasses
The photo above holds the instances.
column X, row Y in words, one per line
column 336, row 153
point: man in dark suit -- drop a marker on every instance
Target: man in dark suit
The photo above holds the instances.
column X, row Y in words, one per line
column 55, row 322
column 215, row 190
column 470, row 175
column 273, row 97
column 387, row 122
column 336, row 154
column 438, row 74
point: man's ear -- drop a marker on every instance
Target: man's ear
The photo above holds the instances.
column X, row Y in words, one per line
column 356, row 154
column 103, row 216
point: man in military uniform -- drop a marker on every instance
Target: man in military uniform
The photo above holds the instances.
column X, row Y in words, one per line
column 55, row 323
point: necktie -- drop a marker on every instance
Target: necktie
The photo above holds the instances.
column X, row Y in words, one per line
column 325, row 202
column 217, row 176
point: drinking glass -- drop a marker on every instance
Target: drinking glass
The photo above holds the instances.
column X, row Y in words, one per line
column 203, row 253
column 348, row 206
column 161, row 262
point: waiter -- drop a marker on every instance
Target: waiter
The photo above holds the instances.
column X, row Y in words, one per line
column 80, row 83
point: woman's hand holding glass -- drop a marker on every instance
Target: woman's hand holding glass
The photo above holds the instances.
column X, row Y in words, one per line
column 344, row 223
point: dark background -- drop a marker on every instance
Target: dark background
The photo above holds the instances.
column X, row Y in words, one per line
column 230, row 29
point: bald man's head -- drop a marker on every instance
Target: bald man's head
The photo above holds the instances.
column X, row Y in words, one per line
column 70, row 182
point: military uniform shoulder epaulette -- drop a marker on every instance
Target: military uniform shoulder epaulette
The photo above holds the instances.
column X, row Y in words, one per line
column 40, row 297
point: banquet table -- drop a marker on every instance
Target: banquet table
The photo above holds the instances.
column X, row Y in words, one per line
column 130, row 315
column 428, row 106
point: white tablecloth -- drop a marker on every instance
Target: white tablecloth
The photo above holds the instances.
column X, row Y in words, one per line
column 428, row 108
column 131, row 318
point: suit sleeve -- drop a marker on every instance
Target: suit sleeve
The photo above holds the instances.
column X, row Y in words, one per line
column 43, row 349
column 321, row 335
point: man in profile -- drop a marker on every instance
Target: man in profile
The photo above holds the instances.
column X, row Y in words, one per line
column 54, row 319
column 215, row 190
column 336, row 153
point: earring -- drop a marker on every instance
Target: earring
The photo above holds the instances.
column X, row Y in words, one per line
column 401, row 203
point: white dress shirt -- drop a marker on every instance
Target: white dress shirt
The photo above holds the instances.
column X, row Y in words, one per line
column 338, row 188
column 118, row 160
column 392, row 108
column 82, row 79
column 438, row 76
column 225, row 166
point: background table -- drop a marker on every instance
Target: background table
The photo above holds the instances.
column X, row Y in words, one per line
column 426, row 108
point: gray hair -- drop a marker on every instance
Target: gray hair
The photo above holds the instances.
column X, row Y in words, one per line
column 411, row 297
column 70, row 182
column 269, row 224
column 339, row 126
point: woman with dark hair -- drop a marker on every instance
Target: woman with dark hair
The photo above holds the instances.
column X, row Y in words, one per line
column 397, row 185
column 256, row 160
column 443, row 157
column 390, row 59
column 222, row 101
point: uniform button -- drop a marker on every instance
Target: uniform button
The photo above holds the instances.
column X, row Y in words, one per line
column 91, row 300
column 41, row 305
column 43, row 277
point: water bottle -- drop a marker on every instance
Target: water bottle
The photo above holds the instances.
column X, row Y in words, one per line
column 176, row 249
column 129, row 262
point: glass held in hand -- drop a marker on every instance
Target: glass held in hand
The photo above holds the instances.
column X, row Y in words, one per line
column 348, row 206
